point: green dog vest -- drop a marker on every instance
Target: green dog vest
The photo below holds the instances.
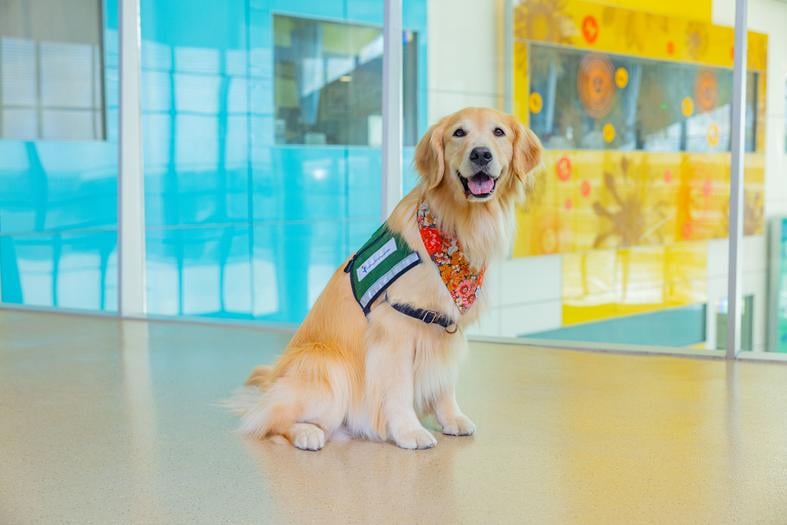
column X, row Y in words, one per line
column 381, row 260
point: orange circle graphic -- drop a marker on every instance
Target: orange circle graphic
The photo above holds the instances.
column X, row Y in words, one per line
column 563, row 168
column 706, row 90
column 596, row 85
column 590, row 29
column 707, row 188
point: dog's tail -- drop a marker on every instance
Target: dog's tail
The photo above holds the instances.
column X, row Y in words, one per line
column 243, row 400
column 261, row 377
column 250, row 395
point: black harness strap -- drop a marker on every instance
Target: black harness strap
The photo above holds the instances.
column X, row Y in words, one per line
column 424, row 315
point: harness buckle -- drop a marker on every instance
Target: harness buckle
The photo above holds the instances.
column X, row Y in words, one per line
column 427, row 314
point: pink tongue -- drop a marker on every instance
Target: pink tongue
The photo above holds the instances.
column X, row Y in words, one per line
column 480, row 184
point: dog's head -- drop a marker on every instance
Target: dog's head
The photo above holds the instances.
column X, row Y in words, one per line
column 477, row 154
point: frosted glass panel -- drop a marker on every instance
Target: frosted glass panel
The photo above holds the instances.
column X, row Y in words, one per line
column 51, row 68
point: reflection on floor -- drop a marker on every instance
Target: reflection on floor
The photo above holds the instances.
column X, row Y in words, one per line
column 108, row 422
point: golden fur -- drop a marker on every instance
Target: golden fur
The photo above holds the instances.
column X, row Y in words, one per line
column 372, row 377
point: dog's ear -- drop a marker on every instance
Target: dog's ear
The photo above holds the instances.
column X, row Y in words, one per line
column 527, row 152
column 429, row 155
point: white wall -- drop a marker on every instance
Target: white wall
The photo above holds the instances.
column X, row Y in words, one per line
column 465, row 69
column 464, row 60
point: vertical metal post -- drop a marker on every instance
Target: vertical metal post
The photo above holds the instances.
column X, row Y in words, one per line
column 392, row 106
column 774, row 283
column 1, row 86
column 508, row 56
column 131, row 196
column 734, row 299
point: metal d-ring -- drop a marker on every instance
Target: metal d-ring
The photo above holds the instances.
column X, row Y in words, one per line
column 456, row 327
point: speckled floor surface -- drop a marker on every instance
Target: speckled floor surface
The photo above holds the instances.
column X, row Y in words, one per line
column 106, row 422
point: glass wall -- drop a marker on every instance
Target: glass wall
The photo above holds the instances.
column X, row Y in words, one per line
column 51, row 62
column 776, row 339
column 654, row 105
column 262, row 125
column 58, row 153
column 328, row 83
column 626, row 227
column 623, row 241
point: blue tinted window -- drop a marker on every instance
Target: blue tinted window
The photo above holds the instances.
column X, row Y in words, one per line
column 58, row 195
column 328, row 83
column 240, row 222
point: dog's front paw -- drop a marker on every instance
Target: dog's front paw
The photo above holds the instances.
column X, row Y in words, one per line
column 306, row 436
column 416, row 438
column 459, row 426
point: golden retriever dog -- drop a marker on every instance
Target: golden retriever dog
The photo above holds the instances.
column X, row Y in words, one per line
column 372, row 375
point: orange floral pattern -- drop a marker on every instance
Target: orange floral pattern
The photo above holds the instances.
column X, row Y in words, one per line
column 462, row 280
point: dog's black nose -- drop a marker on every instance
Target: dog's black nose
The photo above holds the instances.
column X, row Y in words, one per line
column 480, row 156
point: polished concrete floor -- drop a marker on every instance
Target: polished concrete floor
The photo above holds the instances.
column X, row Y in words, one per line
column 107, row 422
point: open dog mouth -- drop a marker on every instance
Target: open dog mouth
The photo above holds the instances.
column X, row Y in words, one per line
column 479, row 185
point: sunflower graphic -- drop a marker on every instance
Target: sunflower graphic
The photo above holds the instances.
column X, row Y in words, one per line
column 752, row 213
column 696, row 39
column 634, row 26
column 629, row 220
column 543, row 20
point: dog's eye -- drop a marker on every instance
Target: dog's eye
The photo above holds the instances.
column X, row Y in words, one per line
column 499, row 132
column 459, row 132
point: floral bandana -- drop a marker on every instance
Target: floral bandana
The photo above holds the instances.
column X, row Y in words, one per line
column 462, row 280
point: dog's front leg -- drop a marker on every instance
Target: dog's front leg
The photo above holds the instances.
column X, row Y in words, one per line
column 446, row 410
column 389, row 392
column 450, row 416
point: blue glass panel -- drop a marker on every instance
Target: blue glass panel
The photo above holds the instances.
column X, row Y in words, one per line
column 409, row 174
column 314, row 183
column 197, row 24
column 365, row 12
column 779, row 271
column 195, row 112
column 203, row 271
column 57, row 185
column 311, row 8
column 69, row 270
column 414, row 17
column 294, row 261
column 364, row 184
column 221, row 194
column 328, row 196
column 678, row 327
column 58, row 210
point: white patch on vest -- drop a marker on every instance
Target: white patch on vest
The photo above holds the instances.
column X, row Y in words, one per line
column 376, row 258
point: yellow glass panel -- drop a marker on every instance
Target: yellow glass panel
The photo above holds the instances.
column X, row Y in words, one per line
column 632, row 226
column 696, row 9
column 586, row 200
column 603, row 284
column 642, row 33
